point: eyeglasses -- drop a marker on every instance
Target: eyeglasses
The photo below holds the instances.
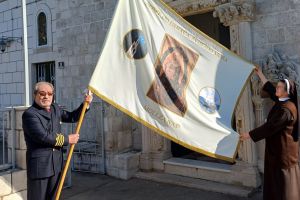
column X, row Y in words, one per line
column 43, row 93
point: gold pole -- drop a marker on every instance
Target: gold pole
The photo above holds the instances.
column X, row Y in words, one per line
column 63, row 176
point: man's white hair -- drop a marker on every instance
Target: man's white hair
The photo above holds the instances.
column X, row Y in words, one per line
column 38, row 84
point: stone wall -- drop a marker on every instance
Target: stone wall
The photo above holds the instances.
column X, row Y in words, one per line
column 275, row 44
column 81, row 27
column 11, row 60
column 13, row 183
column 276, row 29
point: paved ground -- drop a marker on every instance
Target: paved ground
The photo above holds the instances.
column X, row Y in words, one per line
column 101, row 187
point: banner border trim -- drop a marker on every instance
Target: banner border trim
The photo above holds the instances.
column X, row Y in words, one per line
column 145, row 123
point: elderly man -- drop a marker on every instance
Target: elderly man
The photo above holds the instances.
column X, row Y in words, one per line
column 44, row 140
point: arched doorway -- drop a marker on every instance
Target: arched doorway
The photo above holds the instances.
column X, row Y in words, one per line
column 212, row 27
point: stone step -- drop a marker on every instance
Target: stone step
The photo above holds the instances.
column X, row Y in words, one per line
column 217, row 172
column 196, row 183
column 198, row 164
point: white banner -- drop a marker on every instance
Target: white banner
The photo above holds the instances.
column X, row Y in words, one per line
column 171, row 77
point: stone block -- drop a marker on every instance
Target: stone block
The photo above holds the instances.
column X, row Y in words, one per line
column 21, row 159
column 116, row 124
column 261, row 52
column 245, row 175
column 289, row 48
column 16, row 99
column 158, row 165
column 127, row 174
column 5, row 184
column 129, row 160
column 265, row 22
column 9, row 136
column 265, row 7
column 9, row 153
column 127, row 123
column 19, row 113
column 7, row 119
column 17, row 140
column 293, row 34
column 183, row 171
column 259, row 38
column 111, row 161
column 17, row 196
column 276, row 35
column 7, row 16
column 124, row 140
column 217, row 176
column 114, row 172
column 22, row 143
column 110, row 141
column 19, row 181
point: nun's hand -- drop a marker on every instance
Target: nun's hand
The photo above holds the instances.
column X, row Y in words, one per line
column 244, row 136
column 260, row 74
column 258, row 70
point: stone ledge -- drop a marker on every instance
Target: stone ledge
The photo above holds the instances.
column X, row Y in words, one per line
column 5, row 183
column 22, row 195
column 198, row 164
column 19, row 180
column 240, row 174
column 196, row 183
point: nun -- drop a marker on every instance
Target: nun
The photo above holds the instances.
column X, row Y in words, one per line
column 280, row 131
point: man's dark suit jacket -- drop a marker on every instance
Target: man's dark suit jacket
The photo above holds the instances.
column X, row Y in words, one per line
column 42, row 130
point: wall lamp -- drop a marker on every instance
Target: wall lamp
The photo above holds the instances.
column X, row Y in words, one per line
column 5, row 42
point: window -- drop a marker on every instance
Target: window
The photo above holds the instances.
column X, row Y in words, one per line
column 45, row 72
column 42, row 29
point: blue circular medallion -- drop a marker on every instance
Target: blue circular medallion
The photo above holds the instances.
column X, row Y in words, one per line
column 134, row 44
column 209, row 100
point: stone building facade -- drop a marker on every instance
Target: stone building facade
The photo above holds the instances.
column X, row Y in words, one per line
column 264, row 32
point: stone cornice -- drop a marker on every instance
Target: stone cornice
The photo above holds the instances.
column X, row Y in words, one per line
column 190, row 7
column 230, row 12
column 236, row 11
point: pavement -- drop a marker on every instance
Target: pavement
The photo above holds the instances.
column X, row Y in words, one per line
column 101, row 187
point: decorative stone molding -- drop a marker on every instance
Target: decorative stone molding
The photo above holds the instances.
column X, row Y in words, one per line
column 230, row 12
column 155, row 149
column 235, row 12
column 244, row 119
column 276, row 67
column 235, row 39
column 256, row 99
column 190, row 7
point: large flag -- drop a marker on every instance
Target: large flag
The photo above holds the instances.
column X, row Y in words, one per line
column 171, row 77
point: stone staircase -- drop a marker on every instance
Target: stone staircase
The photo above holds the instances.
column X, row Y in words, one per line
column 237, row 179
column 196, row 183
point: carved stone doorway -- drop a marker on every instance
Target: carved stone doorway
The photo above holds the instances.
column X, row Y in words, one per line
column 212, row 27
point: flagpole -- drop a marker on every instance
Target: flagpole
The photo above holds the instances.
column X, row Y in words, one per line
column 63, row 176
column 25, row 45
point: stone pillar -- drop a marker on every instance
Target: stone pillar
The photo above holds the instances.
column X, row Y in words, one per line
column 155, row 149
column 259, row 119
column 120, row 159
column 241, row 44
column 237, row 16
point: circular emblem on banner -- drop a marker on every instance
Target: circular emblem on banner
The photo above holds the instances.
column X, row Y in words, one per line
column 209, row 100
column 134, row 44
